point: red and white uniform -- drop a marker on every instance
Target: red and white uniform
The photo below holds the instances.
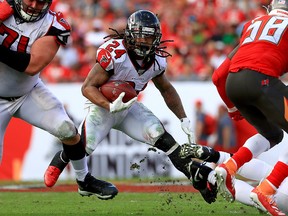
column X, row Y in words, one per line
column 138, row 121
column 20, row 37
column 112, row 56
column 259, row 35
column 263, row 48
column 37, row 105
column 258, row 169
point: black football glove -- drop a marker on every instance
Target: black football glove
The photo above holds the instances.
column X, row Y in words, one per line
column 199, row 174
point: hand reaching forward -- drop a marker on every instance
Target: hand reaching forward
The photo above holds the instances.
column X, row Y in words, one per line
column 187, row 128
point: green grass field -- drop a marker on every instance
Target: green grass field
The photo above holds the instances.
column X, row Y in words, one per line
column 71, row 203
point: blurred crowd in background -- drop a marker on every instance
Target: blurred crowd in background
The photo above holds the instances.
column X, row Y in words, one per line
column 218, row 131
column 203, row 33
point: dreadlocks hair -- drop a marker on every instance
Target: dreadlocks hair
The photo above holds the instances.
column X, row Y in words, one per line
column 116, row 35
column 158, row 50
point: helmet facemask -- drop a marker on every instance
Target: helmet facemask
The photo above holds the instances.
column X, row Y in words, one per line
column 29, row 14
column 143, row 33
column 143, row 41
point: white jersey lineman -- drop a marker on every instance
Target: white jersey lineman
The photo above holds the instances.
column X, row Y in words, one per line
column 138, row 121
column 26, row 97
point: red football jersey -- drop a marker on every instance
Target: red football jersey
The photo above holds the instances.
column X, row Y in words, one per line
column 263, row 46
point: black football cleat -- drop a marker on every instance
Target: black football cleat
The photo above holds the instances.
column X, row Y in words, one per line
column 92, row 186
column 209, row 193
column 199, row 175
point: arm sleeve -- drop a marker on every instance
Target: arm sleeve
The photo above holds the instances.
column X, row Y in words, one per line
column 16, row 60
column 219, row 78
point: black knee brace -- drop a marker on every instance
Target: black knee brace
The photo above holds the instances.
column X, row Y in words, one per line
column 165, row 142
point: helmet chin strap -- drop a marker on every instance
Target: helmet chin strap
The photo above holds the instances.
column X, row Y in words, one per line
column 28, row 17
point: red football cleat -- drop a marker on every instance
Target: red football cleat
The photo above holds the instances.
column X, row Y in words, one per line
column 265, row 203
column 55, row 168
column 51, row 176
column 225, row 182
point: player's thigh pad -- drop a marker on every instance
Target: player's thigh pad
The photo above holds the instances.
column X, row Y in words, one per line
column 43, row 110
column 5, row 118
column 141, row 124
column 97, row 125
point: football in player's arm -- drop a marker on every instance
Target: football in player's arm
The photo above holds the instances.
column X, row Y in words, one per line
column 136, row 56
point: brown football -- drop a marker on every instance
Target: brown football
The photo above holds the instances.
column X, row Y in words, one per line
column 112, row 89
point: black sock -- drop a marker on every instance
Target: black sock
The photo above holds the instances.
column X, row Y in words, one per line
column 64, row 157
column 74, row 152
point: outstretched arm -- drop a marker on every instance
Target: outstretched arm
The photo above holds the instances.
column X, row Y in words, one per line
column 169, row 95
column 219, row 78
column 174, row 103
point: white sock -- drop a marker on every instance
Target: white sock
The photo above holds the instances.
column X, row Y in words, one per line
column 243, row 190
column 211, row 177
column 223, row 157
column 257, row 144
column 80, row 168
column 255, row 170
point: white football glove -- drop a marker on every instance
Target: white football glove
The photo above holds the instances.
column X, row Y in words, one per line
column 118, row 105
column 187, row 128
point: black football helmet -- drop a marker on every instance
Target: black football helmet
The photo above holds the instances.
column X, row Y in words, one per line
column 141, row 25
column 29, row 14
column 278, row 4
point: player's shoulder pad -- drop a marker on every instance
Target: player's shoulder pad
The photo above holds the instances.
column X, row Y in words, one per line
column 60, row 28
column 104, row 58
